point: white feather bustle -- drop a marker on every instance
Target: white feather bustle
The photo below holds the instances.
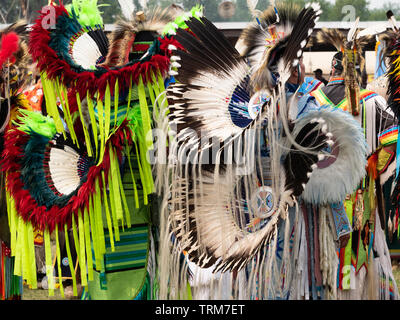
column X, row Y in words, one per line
column 333, row 183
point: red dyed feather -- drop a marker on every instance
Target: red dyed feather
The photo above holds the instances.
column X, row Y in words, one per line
column 47, row 60
column 27, row 207
column 9, row 45
column 371, row 166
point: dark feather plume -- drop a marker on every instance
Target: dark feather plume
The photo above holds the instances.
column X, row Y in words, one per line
column 122, row 37
column 288, row 50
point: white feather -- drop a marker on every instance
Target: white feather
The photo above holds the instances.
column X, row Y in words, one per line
column 352, row 31
column 393, row 22
column 251, row 4
column 210, row 98
column 127, row 8
column 331, row 184
column 371, row 31
column 85, row 51
column 63, row 165
column 143, row 4
column 175, row 64
column 315, row 5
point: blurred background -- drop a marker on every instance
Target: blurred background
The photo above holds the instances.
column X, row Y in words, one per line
column 231, row 16
column 235, row 10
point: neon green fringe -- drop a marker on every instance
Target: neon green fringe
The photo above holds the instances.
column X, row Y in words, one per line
column 109, row 200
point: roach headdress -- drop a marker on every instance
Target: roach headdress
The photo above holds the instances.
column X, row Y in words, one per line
column 133, row 37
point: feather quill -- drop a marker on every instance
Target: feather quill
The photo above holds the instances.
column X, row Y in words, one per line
column 352, row 31
column 252, row 4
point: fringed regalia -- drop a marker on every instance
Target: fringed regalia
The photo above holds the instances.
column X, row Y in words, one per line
column 390, row 42
column 239, row 166
column 364, row 267
column 79, row 166
column 14, row 62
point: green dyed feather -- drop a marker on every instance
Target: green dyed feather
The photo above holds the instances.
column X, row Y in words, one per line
column 35, row 121
column 180, row 21
column 87, row 12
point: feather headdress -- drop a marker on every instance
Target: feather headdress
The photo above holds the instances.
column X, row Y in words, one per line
column 14, row 62
column 63, row 168
column 391, row 52
column 72, row 53
column 351, row 47
column 71, row 59
column 271, row 40
column 150, row 22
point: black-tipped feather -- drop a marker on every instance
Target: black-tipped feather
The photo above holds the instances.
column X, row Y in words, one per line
column 302, row 29
column 210, row 70
column 201, row 50
column 297, row 163
column 287, row 51
column 101, row 40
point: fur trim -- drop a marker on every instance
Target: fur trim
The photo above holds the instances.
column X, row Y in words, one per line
column 331, row 184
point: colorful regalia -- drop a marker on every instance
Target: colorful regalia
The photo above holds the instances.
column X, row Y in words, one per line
column 390, row 53
column 79, row 165
column 239, row 165
column 364, row 266
column 163, row 162
column 13, row 79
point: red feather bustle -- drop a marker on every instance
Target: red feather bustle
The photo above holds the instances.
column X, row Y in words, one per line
column 27, row 207
column 49, row 62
